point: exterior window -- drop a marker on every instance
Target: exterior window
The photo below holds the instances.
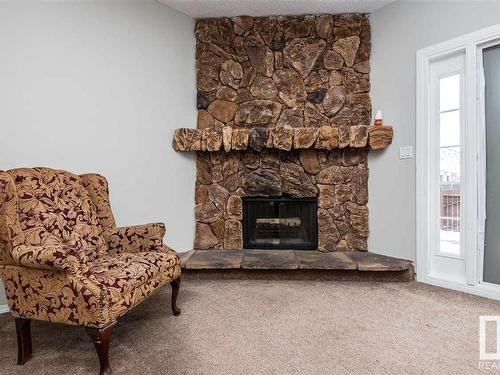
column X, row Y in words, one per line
column 449, row 165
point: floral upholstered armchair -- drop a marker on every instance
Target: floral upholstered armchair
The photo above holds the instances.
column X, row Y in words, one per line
column 63, row 260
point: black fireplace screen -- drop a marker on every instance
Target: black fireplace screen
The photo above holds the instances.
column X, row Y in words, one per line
column 280, row 223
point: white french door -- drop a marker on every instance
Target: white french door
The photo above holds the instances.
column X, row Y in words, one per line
column 451, row 164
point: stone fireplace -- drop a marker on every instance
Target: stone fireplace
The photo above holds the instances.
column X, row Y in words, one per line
column 284, row 115
column 338, row 179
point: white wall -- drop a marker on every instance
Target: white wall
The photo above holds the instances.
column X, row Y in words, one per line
column 398, row 30
column 99, row 87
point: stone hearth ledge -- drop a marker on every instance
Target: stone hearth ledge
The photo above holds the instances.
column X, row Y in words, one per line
column 292, row 260
column 282, row 138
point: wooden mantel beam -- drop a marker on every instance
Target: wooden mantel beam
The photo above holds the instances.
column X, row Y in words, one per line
column 283, row 138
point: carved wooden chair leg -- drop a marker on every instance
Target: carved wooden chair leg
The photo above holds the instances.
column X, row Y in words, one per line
column 175, row 284
column 101, row 338
column 24, row 348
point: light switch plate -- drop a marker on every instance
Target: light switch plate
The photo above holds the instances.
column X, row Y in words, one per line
column 406, row 152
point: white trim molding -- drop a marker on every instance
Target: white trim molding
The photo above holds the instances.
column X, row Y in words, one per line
column 469, row 45
column 4, row 309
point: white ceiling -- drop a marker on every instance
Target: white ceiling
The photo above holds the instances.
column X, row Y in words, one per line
column 230, row 8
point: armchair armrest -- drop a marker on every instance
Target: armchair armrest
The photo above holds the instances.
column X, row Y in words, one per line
column 66, row 258
column 137, row 238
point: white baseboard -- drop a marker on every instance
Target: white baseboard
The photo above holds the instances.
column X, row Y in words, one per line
column 4, row 309
column 482, row 289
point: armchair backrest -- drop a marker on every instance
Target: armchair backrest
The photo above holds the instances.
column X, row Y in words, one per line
column 43, row 206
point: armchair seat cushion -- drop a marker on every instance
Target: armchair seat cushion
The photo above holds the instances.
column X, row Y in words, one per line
column 121, row 273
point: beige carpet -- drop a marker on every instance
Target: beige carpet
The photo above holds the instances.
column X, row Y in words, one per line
column 274, row 327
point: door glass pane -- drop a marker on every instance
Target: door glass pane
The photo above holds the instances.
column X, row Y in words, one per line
column 449, row 164
column 491, row 61
column 449, row 93
column 449, row 130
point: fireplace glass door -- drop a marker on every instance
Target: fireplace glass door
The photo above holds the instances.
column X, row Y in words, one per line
column 280, row 223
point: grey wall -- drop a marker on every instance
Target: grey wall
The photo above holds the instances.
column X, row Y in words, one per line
column 492, row 243
column 398, row 30
column 99, row 87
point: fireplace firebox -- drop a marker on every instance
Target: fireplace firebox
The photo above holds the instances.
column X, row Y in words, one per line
column 280, row 223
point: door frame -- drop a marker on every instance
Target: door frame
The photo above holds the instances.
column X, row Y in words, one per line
column 469, row 45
